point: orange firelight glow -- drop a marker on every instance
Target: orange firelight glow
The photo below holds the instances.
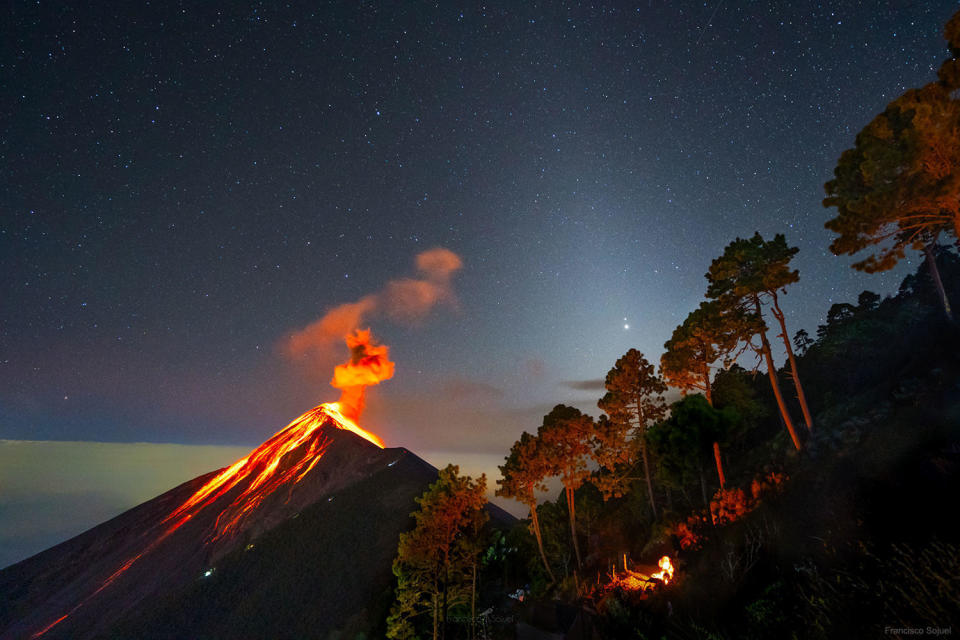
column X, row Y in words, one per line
column 665, row 574
column 637, row 581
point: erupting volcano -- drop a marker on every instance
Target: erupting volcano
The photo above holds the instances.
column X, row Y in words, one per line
column 261, row 469
column 166, row 543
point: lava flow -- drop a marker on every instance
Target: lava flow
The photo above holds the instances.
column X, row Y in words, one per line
column 262, row 468
column 270, row 466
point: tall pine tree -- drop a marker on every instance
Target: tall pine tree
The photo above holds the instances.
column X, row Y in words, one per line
column 523, row 474
column 898, row 188
column 566, row 434
column 436, row 561
column 750, row 272
column 634, row 400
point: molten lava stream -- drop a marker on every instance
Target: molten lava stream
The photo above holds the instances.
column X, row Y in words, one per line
column 262, row 465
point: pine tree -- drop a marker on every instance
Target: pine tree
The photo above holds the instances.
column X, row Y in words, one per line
column 898, row 188
column 706, row 335
column 749, row 273
column 522, row 475
column 566, row 434
column 634, row 400
column 436, row 560
column 802, row 341
column 684, row 440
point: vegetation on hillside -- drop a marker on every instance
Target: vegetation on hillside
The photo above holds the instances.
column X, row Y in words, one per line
column 845, row 532
column 828, row 511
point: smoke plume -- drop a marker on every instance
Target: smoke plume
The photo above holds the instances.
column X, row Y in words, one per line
column 404, row 300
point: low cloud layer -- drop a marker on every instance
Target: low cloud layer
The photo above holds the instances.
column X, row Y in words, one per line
column 51, row 491
column 585, row 385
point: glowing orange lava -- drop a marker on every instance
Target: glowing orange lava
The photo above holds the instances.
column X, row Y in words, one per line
column 265, row 471
column 343, row 422
column 50, row 626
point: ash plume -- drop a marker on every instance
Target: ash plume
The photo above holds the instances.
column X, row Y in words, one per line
column 405, row 300
column 369, row 364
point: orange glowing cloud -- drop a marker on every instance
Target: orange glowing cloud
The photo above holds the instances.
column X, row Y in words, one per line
column 406, row 300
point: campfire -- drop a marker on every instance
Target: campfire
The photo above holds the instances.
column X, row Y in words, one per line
column 632, row 580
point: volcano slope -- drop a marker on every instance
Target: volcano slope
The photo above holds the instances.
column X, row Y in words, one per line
column 294, row 541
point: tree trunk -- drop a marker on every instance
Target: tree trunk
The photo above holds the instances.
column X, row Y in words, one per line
column 716, row 445
column 646, row 471
column 703, row 486
column 935, row 274
column 707, row 389
column 772, row 372
column 801, row 397
column 716, row 456
column 436, row 617
column 446, row 579
column 573, row 526
column 473, row 602
column 539, row 537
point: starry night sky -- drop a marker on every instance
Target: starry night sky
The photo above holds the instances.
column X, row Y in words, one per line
column 184, row 186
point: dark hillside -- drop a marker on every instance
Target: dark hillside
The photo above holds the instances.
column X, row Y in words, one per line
column 324, row 570
column 864, row 535
column 857, row 534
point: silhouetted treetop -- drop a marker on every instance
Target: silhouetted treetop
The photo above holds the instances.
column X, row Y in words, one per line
column 750, row 267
